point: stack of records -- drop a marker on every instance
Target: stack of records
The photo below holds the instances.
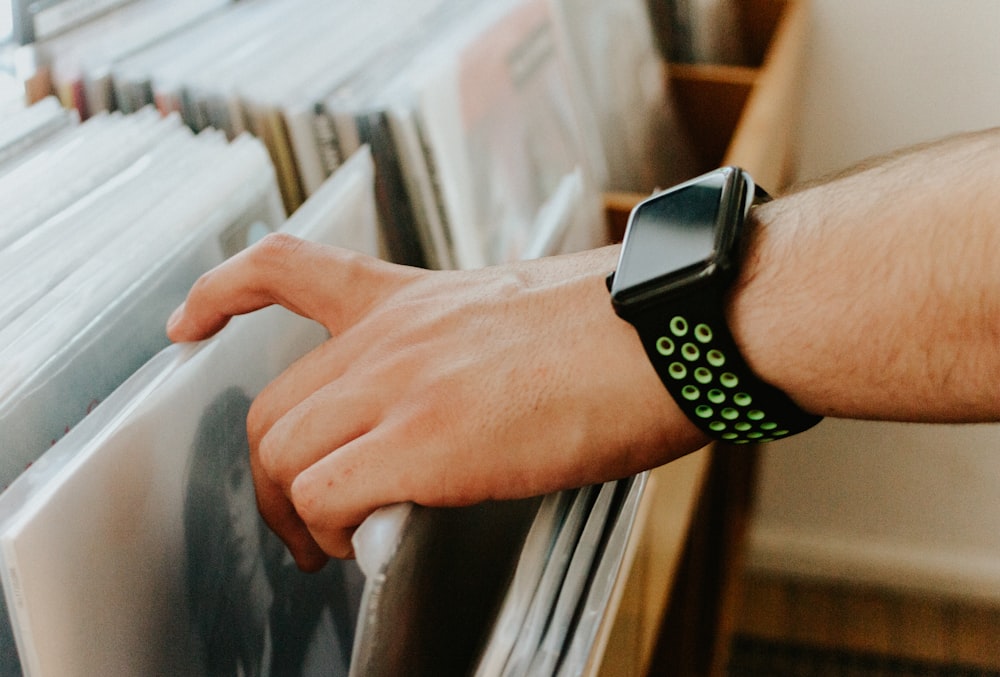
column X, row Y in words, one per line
column 495, row 126
column 500, row 589
column 106, row 226
column 74, row 43
column 133, row 546
column 454, row 135
column 22, row 128
column 563, row 583
column 481, row 149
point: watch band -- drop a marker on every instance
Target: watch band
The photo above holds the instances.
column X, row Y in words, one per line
column 695, row 356
column 678, row 307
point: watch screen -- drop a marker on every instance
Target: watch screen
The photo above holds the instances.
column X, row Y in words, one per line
column 671, row 232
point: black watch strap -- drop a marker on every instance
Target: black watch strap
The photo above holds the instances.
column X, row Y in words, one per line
column 694, row 354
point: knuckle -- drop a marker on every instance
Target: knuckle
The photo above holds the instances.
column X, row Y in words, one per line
column 273, row 461
column 275, row 250
column 310, row 502
column 307, row 500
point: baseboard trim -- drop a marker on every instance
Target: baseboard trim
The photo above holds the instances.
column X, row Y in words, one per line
column 893, row 566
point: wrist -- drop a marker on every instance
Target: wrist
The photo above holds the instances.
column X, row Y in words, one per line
column 765, row 320
column 682, row 253
column 620, row 405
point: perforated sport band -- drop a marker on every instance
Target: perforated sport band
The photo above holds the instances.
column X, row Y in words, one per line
column 697, row 359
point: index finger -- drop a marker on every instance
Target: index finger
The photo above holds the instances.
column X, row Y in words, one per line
column 330, row 285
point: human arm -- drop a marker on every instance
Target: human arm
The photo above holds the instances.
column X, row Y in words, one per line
column 876, row 295
column 873, row 296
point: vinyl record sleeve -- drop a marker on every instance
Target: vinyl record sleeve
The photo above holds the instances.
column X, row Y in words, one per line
column 433, row 583
column 410, row 92
column 397, row 221
column 537, row 549
column 556, row 225
column 595, row 608
column 547, row 592
column 131, row 76
column 422, row 186
column 269, row 126
column 503, row 127
column 187, row 576
column 311, row 148
column 620, row 76
column 211, row 91
column 573, row 588
column 377, row 105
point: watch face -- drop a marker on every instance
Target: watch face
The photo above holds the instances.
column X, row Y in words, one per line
column 672, row 237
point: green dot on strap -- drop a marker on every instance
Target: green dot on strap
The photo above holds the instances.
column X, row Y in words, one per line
column 730, row 414
column 665, row 346
column 690, row 393
column 742, row 399
column 716, row 358
column 678, row 370
column 702, row 375
column 717, row 426
column 729, row 380
column 703, row 333
column 755, row 415
column 678, row 326
column 690, row 351
column 716, row 396
column 704, row 411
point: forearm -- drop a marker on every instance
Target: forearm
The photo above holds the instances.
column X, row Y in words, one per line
column 877, row 295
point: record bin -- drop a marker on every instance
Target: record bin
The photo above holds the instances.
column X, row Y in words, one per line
column 671, row 606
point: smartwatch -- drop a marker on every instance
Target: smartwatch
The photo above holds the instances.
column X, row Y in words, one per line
column 680, row 256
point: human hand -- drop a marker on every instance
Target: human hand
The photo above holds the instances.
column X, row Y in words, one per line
column 441, row 388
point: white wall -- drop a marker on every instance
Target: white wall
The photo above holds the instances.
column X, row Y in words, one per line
column 882, row 74
column 899, row 505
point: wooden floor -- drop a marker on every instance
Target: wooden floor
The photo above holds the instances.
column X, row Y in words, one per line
column 868, row 620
